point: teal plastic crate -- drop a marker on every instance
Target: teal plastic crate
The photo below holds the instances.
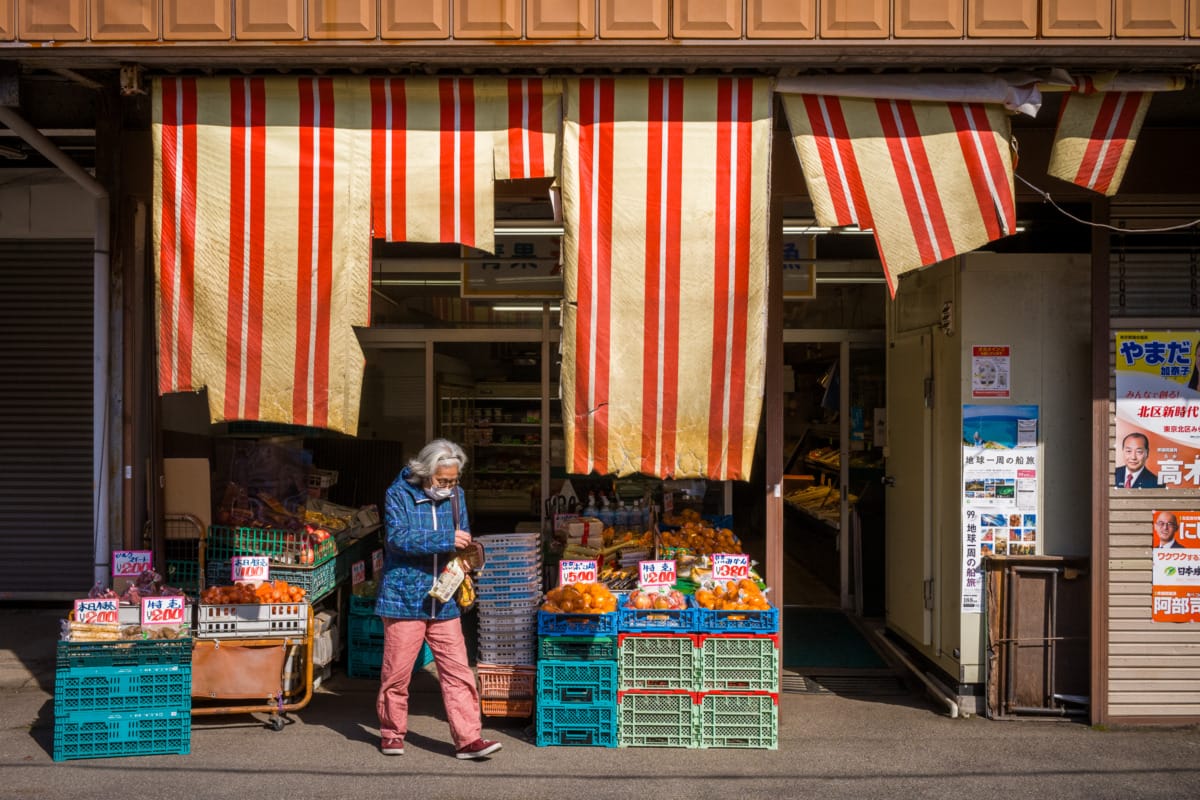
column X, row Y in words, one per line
column 367, row 662
column 657, row 719
column 737, row 663
column 105, row 734
column 660, row 662
column 577, row 682
column 577, row 648
column 736, row 719
column 362, row 606
column 362, row 626
column 183, row 575
column 140, row 652
column 317, row 582
column 576, row 725
column 154, row 686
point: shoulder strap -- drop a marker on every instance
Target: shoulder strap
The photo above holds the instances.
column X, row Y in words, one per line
column 454, row 507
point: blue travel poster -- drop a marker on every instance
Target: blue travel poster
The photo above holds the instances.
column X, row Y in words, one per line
column 999, row 427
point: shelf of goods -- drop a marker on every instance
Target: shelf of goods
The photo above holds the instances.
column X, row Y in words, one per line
column 364, row 641
column 122, row 698
column 508, row 589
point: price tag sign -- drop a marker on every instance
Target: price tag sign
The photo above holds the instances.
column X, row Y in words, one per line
column 250, row 569
column 656, row 574
column 97, row 611
column 163, row 610
column 668, row 502
column 130, row 563
column 730, row 566
column 377, row 564
column 576, row 571
column 358, row 572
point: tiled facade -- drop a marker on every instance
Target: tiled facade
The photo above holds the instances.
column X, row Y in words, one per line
column 105, row 22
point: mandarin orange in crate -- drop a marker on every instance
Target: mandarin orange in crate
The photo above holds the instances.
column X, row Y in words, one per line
column 578, row 609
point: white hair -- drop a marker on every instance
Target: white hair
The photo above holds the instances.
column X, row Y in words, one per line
column 438, row 453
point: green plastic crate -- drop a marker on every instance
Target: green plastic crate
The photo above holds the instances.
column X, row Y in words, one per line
column 576, row 725
column 657, row 719
column 183, row 575
column 737, row 663
column 658, row 662
column 734, row 719
column 315, row 581
column 104, row 734
column 279, row 545
column 139, row 652
column 577, row 648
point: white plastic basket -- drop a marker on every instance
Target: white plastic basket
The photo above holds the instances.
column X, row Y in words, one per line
column 251, row 620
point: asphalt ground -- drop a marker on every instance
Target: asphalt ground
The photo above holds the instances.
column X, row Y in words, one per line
column 830, row 746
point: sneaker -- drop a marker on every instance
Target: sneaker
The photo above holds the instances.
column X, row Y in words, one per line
column 480, row 748
column 392, row 747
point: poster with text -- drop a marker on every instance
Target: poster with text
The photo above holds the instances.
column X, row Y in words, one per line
column 991, row 371
column 1158, row 410
column 1001, row 495
column 1175, row 591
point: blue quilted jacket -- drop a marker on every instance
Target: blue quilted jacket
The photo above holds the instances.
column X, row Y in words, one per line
column 420, row 540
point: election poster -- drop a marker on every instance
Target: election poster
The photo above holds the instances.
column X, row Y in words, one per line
column 1175, row 589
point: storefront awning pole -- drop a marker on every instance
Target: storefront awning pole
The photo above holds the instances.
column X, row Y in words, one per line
column 100, row 300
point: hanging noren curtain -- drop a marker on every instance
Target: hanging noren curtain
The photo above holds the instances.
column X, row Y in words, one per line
column 665, row 192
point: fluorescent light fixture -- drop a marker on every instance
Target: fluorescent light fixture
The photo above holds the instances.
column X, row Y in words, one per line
column 416, row 282
column 526, row 308
column 530, row 230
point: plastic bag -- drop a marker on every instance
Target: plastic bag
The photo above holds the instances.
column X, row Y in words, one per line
column 448, row 582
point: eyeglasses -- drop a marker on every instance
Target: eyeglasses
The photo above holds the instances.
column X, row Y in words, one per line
column 445, row 483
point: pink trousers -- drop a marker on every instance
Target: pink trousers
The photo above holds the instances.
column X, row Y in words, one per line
column 402, row 640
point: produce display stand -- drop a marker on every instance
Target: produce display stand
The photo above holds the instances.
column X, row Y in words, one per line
column 258, row 653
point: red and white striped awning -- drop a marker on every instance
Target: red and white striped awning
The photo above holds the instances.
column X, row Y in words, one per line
column 262, row 197
column 932, row 179
column 665, row 191
column 1098, row 126
column 439, row 144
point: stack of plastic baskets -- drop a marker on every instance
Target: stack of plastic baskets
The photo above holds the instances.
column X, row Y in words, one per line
column 509, row 590
column 365, row 641
column 122, row 698
column 577, row 679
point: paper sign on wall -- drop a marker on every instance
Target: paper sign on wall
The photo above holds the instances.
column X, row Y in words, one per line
column 377, row 564
column 991, row 371
column 358, row 572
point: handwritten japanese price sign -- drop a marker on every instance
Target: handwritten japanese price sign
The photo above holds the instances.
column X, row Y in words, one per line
column 95, row 611
column 656, row 574
column 358, row 572
column 163, row 610
column 576, row 571
column 730, row 566
column 377, row 563
column 250, row 569
column 130, row 563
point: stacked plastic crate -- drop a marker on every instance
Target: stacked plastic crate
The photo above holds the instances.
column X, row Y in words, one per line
column 364, row 641
column 296, row 558
column 657, row 657
column 737, row 678
column 508, row 590
column 122, row 698
column 577, row 679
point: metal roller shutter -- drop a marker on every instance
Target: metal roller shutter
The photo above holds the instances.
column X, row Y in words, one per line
column 45, row 418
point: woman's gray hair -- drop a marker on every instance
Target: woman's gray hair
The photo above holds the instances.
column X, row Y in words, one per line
column 438, row 453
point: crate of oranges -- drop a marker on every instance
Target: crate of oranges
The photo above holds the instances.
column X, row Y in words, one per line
column 578, row 609
column 734, row 607
column 248, row 611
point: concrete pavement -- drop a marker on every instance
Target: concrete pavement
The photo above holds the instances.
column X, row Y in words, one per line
column 829, row 746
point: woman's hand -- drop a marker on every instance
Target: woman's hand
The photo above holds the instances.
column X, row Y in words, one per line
column 461, row 539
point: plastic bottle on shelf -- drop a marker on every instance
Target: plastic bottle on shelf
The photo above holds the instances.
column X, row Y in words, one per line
column 605, row 515
column 590, row 510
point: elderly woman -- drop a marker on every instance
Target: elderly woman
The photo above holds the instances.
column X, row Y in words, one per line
column 426, row 523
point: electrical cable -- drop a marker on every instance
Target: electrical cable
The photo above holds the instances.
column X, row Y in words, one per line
column 1047, row 198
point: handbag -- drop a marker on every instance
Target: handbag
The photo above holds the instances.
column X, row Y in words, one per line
column 472, row 558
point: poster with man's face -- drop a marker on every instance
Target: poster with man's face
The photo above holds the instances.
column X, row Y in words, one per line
column 1158, row 410
column 1175, row 593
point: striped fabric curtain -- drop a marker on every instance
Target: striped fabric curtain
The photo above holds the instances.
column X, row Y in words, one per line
column 438, row 145
column 262, row 193
column 932, row 179
column 1098, row 126
column 665, row 193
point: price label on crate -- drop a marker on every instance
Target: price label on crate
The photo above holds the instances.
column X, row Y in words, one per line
column 163, row 610
column 130, row 563
column 97, row 611
column 250, row 569
column 377, row 564
column 571, row 570
column 730, row 566
column 358, row 572
column 656, row 574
